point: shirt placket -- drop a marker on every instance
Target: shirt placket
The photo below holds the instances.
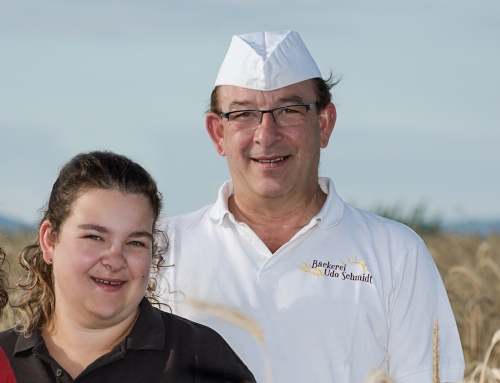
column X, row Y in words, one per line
column 61, row 376
column 262, row 254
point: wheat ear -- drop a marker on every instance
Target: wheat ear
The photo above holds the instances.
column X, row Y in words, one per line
column 494, row 341
column 435, row 353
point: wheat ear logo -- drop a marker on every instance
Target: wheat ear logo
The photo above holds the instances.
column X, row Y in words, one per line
column 316, row 271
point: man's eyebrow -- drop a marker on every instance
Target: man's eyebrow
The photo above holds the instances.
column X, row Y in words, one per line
column 291, row 100
column 283, row 101
column 90, row 226
column 240, row 104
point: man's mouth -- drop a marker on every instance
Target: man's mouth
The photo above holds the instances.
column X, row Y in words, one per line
column 270, row 161
column 114, row 283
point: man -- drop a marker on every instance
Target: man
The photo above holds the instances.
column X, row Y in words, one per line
column 337, row 291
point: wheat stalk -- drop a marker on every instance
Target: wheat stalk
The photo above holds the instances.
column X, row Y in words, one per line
column 435, row 353
column 239, row 319
column 230, row 315
column 494, row 341
column 379, row 376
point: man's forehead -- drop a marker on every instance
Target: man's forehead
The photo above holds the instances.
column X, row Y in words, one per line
column 302, row 92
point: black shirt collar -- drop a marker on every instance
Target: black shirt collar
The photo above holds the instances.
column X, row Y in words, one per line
column 148, row 333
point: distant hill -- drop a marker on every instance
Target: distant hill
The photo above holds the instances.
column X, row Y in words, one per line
column 9, row 224
column 481, row 227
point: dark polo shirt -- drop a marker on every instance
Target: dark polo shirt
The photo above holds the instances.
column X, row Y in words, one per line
column 161, row 347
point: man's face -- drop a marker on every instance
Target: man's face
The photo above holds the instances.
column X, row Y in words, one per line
column 271, row 161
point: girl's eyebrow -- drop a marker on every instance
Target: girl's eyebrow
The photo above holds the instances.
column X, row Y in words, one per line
column 90, row 226
column 141, row 234
column 102, row 229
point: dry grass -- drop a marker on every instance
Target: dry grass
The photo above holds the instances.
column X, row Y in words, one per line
column 12, row 243
column 470, row 268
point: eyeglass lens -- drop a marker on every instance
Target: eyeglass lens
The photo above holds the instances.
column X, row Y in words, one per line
column 284, row 116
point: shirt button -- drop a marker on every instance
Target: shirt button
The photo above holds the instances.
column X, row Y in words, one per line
column 248, row 238
column 58, row 372
column 262, row 257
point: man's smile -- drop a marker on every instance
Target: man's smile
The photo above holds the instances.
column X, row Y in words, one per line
column 270, row 161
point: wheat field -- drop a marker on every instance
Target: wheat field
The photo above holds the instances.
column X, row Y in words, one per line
column 469, row 266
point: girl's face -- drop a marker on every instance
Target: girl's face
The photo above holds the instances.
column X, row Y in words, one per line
column 101, row 258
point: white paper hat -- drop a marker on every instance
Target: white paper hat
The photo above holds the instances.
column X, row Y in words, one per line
column 267, row 61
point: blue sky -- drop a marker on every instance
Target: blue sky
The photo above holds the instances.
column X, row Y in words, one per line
column 417, row 104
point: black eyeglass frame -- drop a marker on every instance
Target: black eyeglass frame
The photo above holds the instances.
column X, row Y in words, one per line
column 314, row 105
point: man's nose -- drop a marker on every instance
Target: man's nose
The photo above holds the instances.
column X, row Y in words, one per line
column 267, row 131
column 263, row 112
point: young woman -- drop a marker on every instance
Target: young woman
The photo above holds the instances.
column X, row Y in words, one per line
column 6, row 373
column 86, row 311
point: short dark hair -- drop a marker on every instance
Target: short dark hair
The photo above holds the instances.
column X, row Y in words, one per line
column 95, row 170
column 322, row 88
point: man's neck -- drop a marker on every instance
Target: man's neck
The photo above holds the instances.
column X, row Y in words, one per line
column 276, row 221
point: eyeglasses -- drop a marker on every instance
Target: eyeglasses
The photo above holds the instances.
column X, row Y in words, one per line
column 289, row 115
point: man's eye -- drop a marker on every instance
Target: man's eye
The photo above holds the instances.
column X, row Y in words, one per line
column 242, row 115
column 290, row 111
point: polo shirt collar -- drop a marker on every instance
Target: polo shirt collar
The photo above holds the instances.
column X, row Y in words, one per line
column 23, row 344
column 220, row 209
column 333, row 209
column 330, row 214
column 148, row 332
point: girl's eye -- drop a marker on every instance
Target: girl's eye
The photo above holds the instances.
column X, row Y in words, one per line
column 137, row 243
column 94, row 237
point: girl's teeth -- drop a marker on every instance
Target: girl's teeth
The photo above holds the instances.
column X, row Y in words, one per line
column 107, row 282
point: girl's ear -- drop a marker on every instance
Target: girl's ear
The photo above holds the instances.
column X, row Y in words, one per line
column 47, row 242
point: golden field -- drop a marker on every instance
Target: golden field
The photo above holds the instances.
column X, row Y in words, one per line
column 469, row 266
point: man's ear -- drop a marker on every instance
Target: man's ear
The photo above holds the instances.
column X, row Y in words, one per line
column 215, row 130
column 327, row 118
column 47, row 241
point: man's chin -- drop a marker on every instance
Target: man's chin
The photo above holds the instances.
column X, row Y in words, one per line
column 273, row 189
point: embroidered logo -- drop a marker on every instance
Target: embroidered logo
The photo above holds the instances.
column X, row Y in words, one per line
column 352, row 270
column 316, row 271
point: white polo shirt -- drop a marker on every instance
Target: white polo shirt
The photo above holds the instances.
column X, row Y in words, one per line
column 350, row 292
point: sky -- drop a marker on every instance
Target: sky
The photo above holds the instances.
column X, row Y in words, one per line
column 417, row 102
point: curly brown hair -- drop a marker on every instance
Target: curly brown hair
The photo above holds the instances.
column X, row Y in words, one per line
column 95, row 170
column 322, row 88
column 4, row 282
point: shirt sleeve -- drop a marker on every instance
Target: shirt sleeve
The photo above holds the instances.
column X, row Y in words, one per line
column 217, row 362
column 417, row 300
